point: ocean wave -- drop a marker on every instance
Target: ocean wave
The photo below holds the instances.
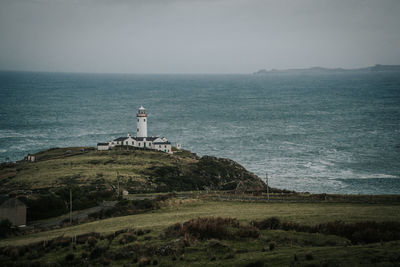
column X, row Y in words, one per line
column 371, row 176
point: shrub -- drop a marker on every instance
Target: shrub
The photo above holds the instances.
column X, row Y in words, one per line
column 84, row 255
column 144, row 204
column 69, row 257
column 106, row 261
column 257, row 263
column 272, row 246
column 309, row 256
column 5, row 228
column 248, row 231
column 143, row 261
column 139, row 232
column 210, row 227
column 270, row 223
column 96, row 252
column 358, row 232
column 33, row 255
column 82, row 239
column 165, row 250
column 92, row 241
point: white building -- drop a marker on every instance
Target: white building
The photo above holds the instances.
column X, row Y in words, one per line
column 141, row 139
column 103, row 146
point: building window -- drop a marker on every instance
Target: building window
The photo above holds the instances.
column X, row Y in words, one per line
column 144, row 120
column 137, row 120
column 138, row 129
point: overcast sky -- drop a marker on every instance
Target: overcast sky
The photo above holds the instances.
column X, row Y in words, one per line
column 193, row 36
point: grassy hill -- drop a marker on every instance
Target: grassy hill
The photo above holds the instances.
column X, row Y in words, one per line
column 136, row 170
column 94, row 176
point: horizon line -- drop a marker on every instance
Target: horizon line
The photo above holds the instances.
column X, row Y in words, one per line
column 196, row 73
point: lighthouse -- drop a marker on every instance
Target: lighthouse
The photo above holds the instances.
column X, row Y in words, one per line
column 141, row 140
column 141, row 122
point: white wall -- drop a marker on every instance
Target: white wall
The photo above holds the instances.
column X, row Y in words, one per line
column 163, row 148
column 141, row 127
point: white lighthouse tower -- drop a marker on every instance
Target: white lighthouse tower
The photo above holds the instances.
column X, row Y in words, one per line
column 141, row 122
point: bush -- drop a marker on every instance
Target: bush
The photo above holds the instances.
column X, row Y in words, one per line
column 257, row 263
column 69, row 257
column 309, row 256
column 211, row 227
column 45, row 206
column 96, row 252
column 92, row 241
column 144, row 261
column 270, row 223
column 5, row 228
column 272, row 246
column 83, row 238
column 62, row 241
column 358, row 232
column 248, row 232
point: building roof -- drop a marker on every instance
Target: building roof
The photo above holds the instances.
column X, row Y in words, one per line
column 162, row 143
column 151, row 138
column 121, row 139
column 12, row 203
column 102, row 144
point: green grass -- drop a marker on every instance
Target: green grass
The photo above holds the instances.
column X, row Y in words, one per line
column 137, row 171
column 56, row 167
column 291, row 248
column 89, row 165
column 304, row 213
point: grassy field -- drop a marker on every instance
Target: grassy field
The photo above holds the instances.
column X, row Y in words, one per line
column 146, row 242
column 56, row 167
column 304, row 213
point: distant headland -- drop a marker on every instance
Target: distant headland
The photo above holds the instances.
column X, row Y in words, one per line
column 321, row 70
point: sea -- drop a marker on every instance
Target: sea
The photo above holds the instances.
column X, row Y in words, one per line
column 317, row 133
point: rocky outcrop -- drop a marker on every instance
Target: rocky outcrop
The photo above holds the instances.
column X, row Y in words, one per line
column 208, row 173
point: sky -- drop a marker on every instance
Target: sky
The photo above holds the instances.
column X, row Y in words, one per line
column 196, row 36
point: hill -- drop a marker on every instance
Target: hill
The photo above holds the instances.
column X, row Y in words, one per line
column 94, row 176
column 135, row 170
column 320, row 70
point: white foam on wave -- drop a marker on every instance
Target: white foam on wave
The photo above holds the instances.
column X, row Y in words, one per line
column 14, row 134
column 371, row 176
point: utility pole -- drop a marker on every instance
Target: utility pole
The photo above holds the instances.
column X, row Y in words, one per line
column 70, row 206
column 266, row 176
column 118, row 184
